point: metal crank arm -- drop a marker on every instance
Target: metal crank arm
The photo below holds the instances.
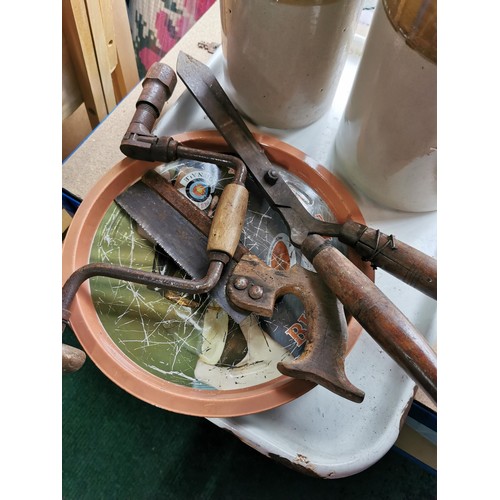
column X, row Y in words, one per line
column 224, row 235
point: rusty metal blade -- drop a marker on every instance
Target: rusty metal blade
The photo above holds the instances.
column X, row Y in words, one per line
column 203, row 85
column 166, row 227
column 181, row 240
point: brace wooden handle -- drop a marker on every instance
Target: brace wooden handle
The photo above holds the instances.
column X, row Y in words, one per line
column 403, row 261
column 228, row 220
column 375, row 312
column 72, row 358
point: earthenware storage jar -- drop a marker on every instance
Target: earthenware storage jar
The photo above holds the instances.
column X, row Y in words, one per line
column 386, row 144
column 283, row 58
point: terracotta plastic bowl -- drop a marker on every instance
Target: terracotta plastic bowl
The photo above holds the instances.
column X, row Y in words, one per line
column 121, row 368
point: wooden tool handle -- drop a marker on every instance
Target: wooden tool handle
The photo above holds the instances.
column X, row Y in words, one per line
column 228, row 220
column 375, row 312
column 403, row 261
column 254, row 287
column 72, row 358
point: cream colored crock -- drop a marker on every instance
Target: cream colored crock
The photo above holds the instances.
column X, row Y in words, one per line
column 386, row 144
column 283, row 58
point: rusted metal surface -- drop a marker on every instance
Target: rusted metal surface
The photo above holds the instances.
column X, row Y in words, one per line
column 205, row 88
column 380, row 318
column 158, row 85
column 397, row 258
column 257, row 285
column 301, row 465
column 155, row 204
column 195, row 286
column 259, row 233
column 162, row 224
column 140, row 143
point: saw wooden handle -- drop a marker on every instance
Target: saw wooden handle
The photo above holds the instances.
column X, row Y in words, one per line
column 228, row 220
column 254, row 286
column 375, row 312
column 403, row 261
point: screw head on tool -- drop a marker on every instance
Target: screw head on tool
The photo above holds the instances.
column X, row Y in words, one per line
column 271, row 176
column 255, row 292
column 240, row 283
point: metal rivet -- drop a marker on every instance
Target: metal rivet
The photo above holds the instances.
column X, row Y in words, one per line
column 271, row 176
column 255, row 292
column 240, row 283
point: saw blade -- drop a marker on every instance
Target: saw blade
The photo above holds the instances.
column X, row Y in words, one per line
column 177, row 237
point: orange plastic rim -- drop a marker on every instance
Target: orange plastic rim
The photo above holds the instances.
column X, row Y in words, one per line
column 116, row 365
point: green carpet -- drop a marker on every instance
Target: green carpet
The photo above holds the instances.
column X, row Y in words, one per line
column 118, row 447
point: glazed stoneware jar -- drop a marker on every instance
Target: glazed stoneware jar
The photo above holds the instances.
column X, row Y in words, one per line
column 386, row 144
column 283, row 58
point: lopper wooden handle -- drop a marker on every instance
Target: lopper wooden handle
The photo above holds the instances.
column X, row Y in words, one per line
column 403, row 261
column 228, row 220
column 375, row 312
